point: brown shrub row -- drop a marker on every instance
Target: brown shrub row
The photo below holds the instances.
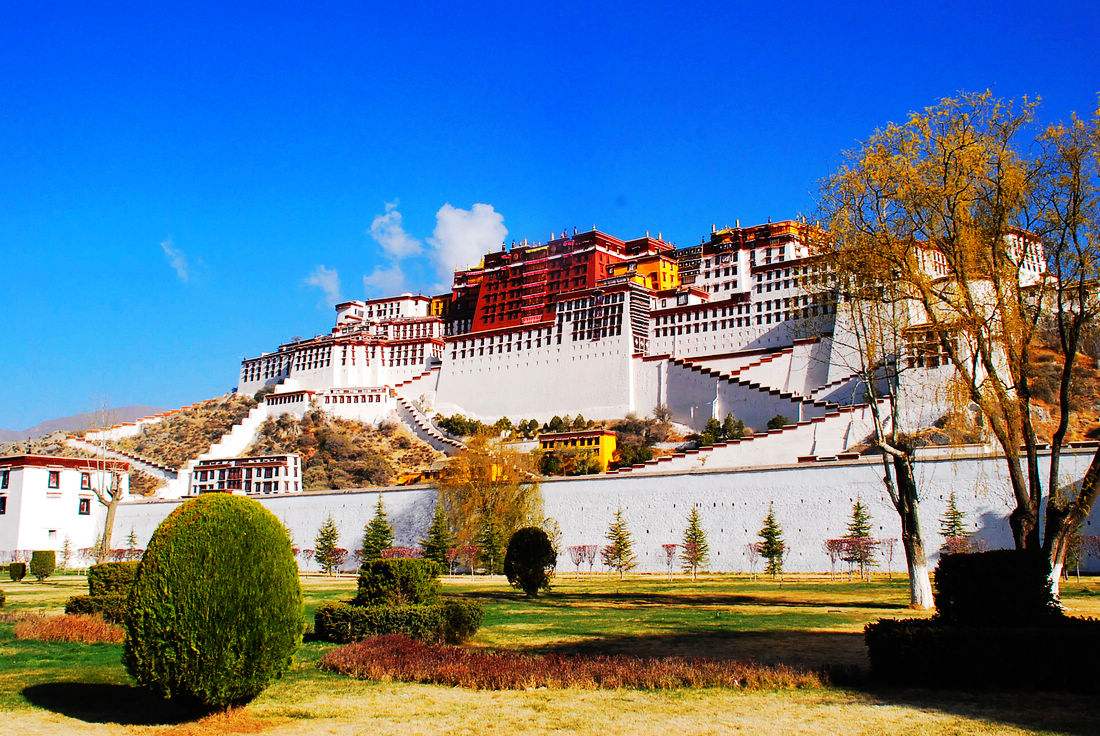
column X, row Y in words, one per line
column 399, row 658
column 78, row 628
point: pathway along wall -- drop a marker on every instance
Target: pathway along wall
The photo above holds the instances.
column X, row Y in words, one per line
column 813, row 502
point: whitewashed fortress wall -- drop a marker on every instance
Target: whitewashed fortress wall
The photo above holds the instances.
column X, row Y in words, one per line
column 813, row 502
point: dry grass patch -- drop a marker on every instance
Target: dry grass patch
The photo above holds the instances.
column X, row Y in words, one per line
column 403, row 659
column 74, row 628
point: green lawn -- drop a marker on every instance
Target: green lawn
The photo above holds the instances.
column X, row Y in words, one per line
column 810, row 621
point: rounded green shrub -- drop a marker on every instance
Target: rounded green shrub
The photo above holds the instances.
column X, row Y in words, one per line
column 215, row 610
column 43, row 563
column 530, row 560
column 111, row 578
column 17, row 571
column 398, row 582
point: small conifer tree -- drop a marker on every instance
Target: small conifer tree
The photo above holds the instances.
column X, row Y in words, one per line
column 732, row 428
column 772, row 546
column 66, row 553
column 953, row 521
column 490, row 546
column 439, row 539
column 694, row 552
column 377, row 534
column 619, row 552
column 326, row 545
column 861, row 548
column 711, row 433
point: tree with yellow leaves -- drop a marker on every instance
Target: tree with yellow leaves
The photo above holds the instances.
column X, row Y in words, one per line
column 489, row 484
column 986, row 233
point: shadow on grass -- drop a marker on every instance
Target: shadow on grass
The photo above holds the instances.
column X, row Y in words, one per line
column 840, row 654
column 842, row 658
column 107, row 703
column 675, row 599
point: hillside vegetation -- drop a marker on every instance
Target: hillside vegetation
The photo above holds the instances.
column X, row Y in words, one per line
column 341, row 453
column 189, row 432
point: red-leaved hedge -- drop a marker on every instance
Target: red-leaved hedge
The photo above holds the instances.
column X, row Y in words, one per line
column 399, row 658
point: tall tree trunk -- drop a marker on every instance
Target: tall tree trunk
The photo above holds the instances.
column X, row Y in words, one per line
column 108, row 528
column 916, row 561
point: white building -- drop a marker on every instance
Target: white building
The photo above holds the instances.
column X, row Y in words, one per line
column 47, row 500
column 262, row 475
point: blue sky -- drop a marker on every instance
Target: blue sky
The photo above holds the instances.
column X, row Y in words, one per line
column 172, row 180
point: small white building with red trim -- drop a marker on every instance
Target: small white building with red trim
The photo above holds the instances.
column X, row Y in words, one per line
column 46, row 500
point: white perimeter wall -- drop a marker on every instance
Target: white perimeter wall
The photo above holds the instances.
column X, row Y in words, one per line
column 813, row 503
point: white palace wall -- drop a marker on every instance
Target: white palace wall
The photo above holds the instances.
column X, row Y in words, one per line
column 812, row 501
column 593, row 378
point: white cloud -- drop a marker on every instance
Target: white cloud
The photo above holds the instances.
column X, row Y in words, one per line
column 177, row 259
column 388, row 229
column 384, row 281
column 462, row 237
column 328, row 281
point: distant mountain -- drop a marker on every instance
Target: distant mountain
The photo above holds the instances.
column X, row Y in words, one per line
column 76, row 422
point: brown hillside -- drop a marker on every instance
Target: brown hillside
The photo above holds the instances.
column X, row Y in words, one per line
column 339, row 453
column 189, row 432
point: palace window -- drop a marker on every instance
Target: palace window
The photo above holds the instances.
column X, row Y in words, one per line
column 85, row 481
column 84, row 507
column 3, row 504
column 54, row 479
column 4, row 478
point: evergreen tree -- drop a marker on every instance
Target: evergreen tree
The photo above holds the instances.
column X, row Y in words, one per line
column 377, row 534
column 66, row 553
column 556, row 424
column 772, row 546
column 711, row 433
column 580, row 422
column 694, row 552
column 861, row 549
column 490, row 546
column 439, row 539
column 619, row 552
column 131, row 545
column 324, row 547
column 732, row 428
column 953, row 521
column 859, row 527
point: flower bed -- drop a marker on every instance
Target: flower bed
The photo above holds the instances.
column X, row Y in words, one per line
column 79, row 629
column 399, row 658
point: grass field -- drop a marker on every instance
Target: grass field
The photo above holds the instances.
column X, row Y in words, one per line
column 809, row 622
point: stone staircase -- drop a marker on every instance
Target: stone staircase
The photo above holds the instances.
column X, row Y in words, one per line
column 422, row 427
column 150, row 467
column 231, row 444
column 824, row 437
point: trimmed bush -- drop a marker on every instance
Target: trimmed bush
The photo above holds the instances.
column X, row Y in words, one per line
column 530, row 560
column 924, row 653
column 461, row 620
column 450, row 621
column 1001, row 587
column 215, row 612
column 2, row 599
column 111, row 607
column 43, row 563
column 17, row 571
column 398, row 582
column 111, row 578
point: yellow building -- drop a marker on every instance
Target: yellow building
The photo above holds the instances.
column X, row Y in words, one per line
column 600, row 442
column 439, row 305
column 656, row 271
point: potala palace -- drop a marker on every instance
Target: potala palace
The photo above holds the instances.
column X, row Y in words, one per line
column 745, row 323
